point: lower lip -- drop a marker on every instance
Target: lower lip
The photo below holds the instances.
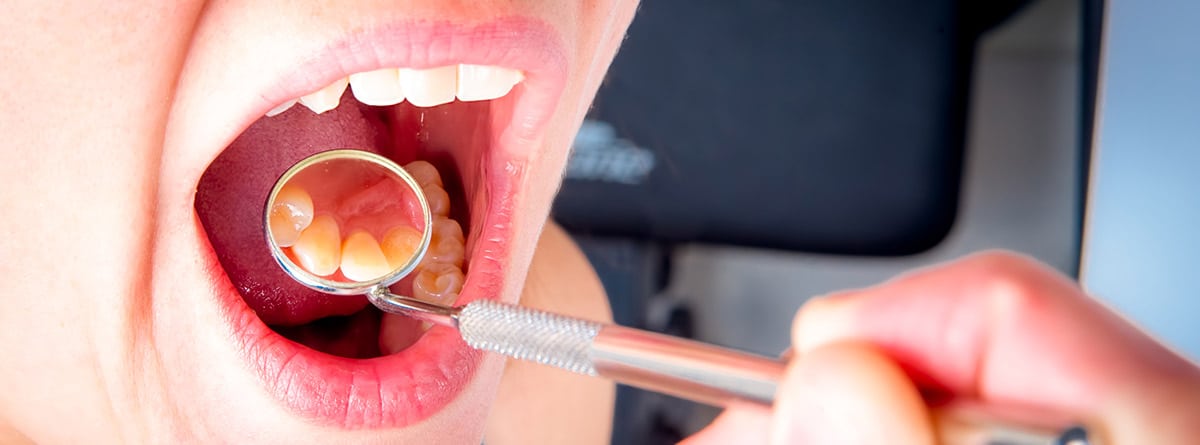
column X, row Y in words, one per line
column 383, row 392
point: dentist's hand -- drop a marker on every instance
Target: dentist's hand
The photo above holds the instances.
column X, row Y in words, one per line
column 994, row 328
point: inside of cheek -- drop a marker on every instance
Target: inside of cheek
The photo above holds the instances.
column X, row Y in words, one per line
column 231, row 194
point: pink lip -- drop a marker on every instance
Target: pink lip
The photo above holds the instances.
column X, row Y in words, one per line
column 409, row 386
column 521, row 43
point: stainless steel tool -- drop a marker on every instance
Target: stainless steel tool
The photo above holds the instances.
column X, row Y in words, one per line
column 684, row 368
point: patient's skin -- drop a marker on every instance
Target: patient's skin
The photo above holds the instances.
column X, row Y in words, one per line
column 562, row 281
column 110, row 112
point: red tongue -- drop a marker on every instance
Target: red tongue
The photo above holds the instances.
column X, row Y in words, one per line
column 233, row 191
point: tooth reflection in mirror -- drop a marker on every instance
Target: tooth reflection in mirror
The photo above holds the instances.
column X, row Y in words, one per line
column 319, row 246
column 362, row 259
column 400, row 244
column 346, row 220
column 291, row 213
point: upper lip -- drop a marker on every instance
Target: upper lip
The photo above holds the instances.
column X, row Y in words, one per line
column 524, row 44
column 406, row 387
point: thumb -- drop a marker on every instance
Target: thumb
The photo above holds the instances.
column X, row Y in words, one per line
column 848, row 393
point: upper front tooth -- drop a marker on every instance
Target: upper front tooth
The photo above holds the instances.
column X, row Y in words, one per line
column 379, row 87
column 281, row 108
column 478, row 82
column 325, row 99
column 430, row 87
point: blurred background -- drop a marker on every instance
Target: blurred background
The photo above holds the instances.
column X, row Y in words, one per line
column 742, row 157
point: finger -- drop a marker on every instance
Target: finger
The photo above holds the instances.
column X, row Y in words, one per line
column 1001, row 329
column 848, row 393
column 738, row 424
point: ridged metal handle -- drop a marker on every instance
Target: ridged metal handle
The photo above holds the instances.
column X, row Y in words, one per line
column 693, row 370
column 527, row 334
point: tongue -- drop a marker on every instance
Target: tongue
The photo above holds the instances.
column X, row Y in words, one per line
column 233, row 191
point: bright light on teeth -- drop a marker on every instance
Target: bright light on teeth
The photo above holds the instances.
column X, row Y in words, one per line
column 478, row 82
column 379, row 87
column 422, row 88
column 431, row 87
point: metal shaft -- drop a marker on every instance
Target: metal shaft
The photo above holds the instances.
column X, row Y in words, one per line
column 684, row 368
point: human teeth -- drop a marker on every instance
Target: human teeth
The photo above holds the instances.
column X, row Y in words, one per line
column 291, row 213
column 399, row 245
column 438, row 199
column 424, row 173
column 319, row 248
column 446, row 245
column 421, row 87
column 281, row 108
column 379, row 87
column 438, row 283
column 447, row 229
column 362, row 260
column 325, row 99
column 478, row 82
column 429, row 87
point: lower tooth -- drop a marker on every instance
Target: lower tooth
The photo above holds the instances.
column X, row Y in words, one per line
column 424, row 173
column 438, row 283
column 438, row 199
column 446, row 228
column 446, row 245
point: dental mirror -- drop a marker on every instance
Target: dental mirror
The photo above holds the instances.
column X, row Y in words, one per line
column 347, row 222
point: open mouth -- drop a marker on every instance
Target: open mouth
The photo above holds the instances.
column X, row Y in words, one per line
column 468, row 101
